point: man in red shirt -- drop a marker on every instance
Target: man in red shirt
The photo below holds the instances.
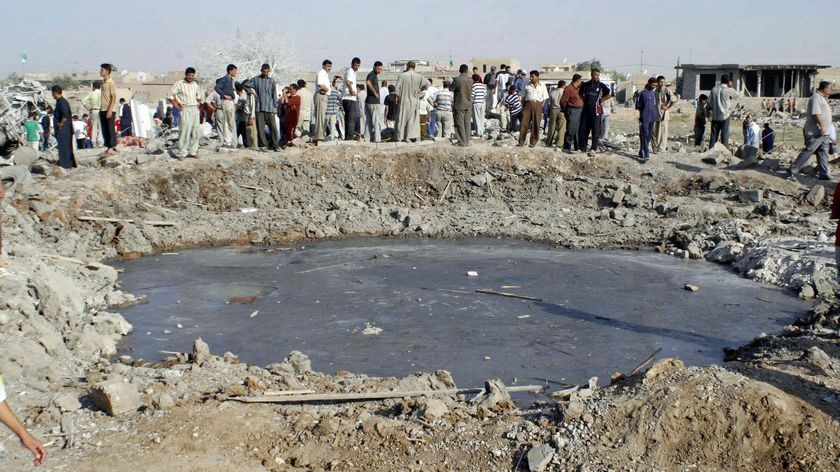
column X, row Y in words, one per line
column 572, row 104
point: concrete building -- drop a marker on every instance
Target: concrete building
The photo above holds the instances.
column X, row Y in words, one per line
column 796, row 80
column 420, row 65
column 485, row 63
column 564, row 67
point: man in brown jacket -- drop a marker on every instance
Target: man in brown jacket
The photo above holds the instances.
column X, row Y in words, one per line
column 462, row 105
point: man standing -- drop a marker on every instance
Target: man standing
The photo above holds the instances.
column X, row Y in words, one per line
column 245, row 120
column 490, row 83
column 349, row 101
column 443, row 112
column 409, row 84
column 720, row 107
column 186, row 95
column 572, row 104
column 556, row 120
column 373, row 113
column 31, row 127
column 816, row 133
column 46, row 128
column 79, row 132
column 502, row 79
column 462, row 103
column 594, row 93
column 664, row 102
column 125, row 119
column 700, row 119
column 307, row 99
column 322, row 86
column 513, row 107
column 93, row 104
column 648, row 114
column 479, row 104
column 535, row 97
column 265, row 108
column 392, row 108
column 225, row 87
column 63, row 129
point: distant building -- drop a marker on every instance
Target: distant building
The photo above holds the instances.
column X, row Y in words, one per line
column 797, row 80
column 564, row 67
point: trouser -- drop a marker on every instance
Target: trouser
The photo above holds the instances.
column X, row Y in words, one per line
column 590, row 124
column 432, row 128
column 699, row 132
column 813, row 145
column 424, row 124
column 320, row 116
column 95, row 130
column 36, row 145
column 188, row 132
column 80, row 143
column 241, row 132
column 266, row 118
column 109, row 134
column 462, row 125
column 531, row 116
column 64, row 137
column 837, row 261
column 373, row 119
column 351, row 119
column 720, row 129
column 605, row 127
column 338, row 132
column 125, row 128
column 645, row 133
column 227, row 125
column 504, row 119
column 331, row 128
column 488, row 101
column 660, row 135
column 444, row 124
column 556, row 127
column 570, row 141
column 515, row 120
column 478, row 118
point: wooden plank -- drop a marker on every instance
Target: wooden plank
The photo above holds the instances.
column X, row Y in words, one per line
column 372, row 396
column 125, row 220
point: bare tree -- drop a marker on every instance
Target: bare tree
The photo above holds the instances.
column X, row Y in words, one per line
column 249, row 52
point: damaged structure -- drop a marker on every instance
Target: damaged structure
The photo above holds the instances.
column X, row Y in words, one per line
column 763, row 80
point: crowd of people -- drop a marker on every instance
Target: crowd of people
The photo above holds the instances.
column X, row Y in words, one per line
column 256, row 112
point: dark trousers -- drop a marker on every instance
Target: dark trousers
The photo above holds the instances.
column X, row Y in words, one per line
column 572, row 124
column 531, row 116
column 590, row 123
column 720, row 130
column 699, row 132
column 515, row 120
column 125, row 128
column 64, row 137
column 813, row 145
column 645, row 135
column 266, row 118
column 351, row 119
column 80, row 143
column 462, row 120
column 109, row 134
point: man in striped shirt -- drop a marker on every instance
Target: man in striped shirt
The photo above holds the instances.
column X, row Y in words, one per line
column 514, row 106
column 186, row 95
column 479, row 103
column 443, row 111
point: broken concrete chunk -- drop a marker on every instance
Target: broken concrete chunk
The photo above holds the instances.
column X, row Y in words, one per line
column 572, row 410
column 823, row 287
column 295, row 363
column 435, row 409
column 495, row 396
column 201, row 352
column 663, row 368
column 819, row 361
column 67, row 402
column 725, row 252
column 751, row 196
column 480, row 180
column 816, row 195
column 691, row 288
column 116, row 397
column 539, row 457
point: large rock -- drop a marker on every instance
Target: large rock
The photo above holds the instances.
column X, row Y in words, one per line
column 435, row 409
column 201, row 352
column 116, row 397
column 816, row 195
column 539, row 457
column 495, row 396
column 296, row 363
column 725, row 252
column 719, row 154
column 440, row 380
column 819, row 361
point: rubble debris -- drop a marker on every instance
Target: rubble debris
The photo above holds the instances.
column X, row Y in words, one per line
column 116, row 397
column 539, row 457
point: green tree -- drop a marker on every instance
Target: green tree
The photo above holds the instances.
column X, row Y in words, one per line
column 66, row 82
column 589, row 65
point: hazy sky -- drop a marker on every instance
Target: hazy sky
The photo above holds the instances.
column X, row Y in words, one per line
column 157, row 36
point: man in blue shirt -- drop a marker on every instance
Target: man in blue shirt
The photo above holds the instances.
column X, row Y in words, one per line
column 225, row 89
column 648, row 114
column 593, row 93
